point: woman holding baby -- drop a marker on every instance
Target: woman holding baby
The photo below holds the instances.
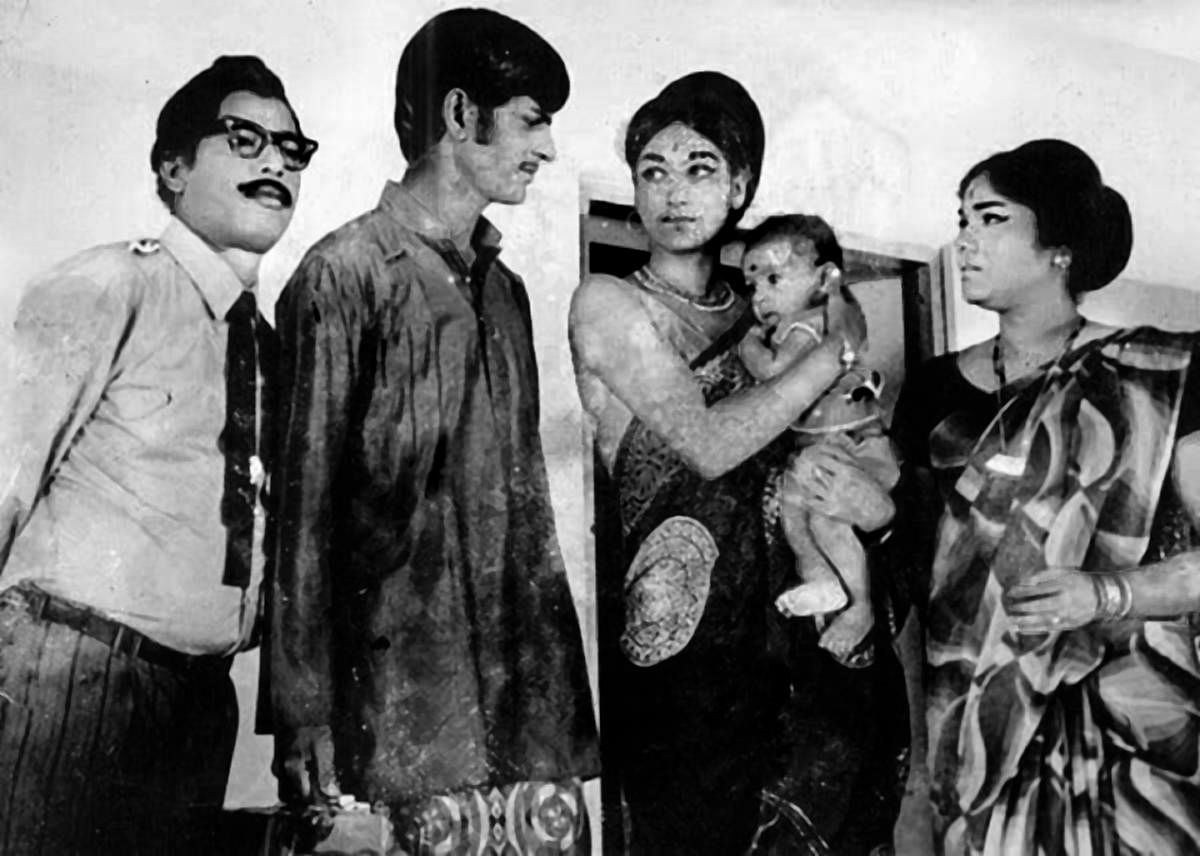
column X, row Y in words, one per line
column 689, row 440
column 1063, row 687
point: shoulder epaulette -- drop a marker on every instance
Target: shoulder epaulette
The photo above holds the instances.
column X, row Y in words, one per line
column 144, row 246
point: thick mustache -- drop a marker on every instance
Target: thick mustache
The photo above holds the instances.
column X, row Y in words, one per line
column 251, row 189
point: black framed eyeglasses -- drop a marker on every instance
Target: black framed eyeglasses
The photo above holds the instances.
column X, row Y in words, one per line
column 248, row 139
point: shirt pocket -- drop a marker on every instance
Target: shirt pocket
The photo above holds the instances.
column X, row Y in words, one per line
column 131, row 403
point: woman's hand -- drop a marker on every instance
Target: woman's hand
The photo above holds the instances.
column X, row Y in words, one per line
column 844, row 319
column 1051, row 600
column 827, row 480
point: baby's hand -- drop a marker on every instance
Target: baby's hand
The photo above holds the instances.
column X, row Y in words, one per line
column 760, row 332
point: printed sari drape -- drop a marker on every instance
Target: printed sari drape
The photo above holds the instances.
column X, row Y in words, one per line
column 1084, row 741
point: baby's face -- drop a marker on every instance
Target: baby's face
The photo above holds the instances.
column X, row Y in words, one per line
column 785, row 282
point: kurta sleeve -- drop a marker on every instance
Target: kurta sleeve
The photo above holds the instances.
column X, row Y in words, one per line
column 319, row 326
column 68, row 333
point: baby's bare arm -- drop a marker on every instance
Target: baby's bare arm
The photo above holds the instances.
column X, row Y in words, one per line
column 772, row 356
column 796, row 342
column 757, row 355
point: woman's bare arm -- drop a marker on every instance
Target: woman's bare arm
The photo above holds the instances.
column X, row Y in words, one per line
column 615, row 340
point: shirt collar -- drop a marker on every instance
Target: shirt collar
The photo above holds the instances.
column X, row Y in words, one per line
column 404, row 207
column 214, row 278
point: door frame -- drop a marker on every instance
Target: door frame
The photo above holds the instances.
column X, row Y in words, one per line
column 607, row 218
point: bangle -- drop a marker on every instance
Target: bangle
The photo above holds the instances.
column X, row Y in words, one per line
column 1101, row 593
column 1108, row 595
column 1114, row 597
column 1126, row 596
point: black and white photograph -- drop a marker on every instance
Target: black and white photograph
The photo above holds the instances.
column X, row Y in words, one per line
column 548, row 428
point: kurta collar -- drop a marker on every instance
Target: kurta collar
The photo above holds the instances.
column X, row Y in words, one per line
column 214, row 278
column 398, row 202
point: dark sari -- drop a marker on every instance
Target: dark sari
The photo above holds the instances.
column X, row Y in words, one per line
column 731, row 730
column 693, row 732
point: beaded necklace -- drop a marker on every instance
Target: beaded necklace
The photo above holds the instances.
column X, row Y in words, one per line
column 651, row 281
column 1002, row 375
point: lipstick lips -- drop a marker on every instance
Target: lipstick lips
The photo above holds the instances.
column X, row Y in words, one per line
column 529, row 168
column 267, row 190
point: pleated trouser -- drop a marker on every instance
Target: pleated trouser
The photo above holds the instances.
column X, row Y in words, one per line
column 103, row 752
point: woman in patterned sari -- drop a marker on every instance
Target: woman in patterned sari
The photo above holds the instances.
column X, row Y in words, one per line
column 692, row 695
column 1063, row 700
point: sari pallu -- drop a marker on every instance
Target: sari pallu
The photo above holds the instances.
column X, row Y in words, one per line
column 1083, row 741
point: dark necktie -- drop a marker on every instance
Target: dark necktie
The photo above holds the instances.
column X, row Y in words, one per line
column 238, row 442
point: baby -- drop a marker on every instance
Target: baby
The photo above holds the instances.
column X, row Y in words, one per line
column 792, row 262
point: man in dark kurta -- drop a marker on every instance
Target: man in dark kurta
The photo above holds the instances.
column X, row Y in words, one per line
column 422, row 630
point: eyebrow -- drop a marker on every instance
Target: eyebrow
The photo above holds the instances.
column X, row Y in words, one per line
column 540, row 116
column 700, row 154
column 982, row 206
column 259, row 125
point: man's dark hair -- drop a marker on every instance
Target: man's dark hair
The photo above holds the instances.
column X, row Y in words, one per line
column 799, row 229
column 188, row 115
column 489, row 56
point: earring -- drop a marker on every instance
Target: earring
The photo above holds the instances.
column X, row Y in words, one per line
column 1061, row 261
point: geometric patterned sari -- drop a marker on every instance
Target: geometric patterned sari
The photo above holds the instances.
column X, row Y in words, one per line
column 1084, row 741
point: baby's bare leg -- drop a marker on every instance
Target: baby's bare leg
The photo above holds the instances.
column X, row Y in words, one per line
column 820, row 590
column 873, row 507
column 837, row 541
column 874, row 454
column 866, row 500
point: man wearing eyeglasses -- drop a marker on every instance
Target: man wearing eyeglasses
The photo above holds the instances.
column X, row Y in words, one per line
column 131, row 480
column 425, row 651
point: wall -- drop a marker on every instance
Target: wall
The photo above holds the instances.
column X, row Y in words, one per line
column 873, row 108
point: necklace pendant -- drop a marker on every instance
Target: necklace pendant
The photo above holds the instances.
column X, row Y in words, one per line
column 1003, row 464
